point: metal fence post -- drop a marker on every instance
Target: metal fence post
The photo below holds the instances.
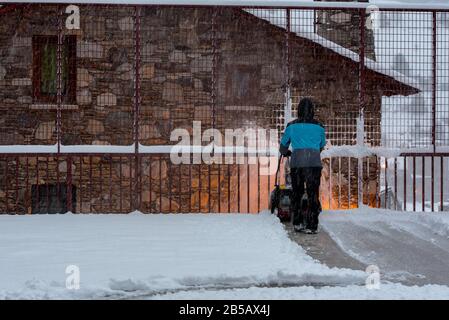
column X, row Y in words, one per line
column 361, row 86
column 214, row 65
column 213, row 99
column 58, row 114
column 288, row 47
column 59, row 79
column 434, row 78
column 69, row 184
column 434, row 104
column 135, row 195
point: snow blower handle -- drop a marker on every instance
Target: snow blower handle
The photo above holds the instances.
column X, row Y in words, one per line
column 277, row 179
column 276, row 182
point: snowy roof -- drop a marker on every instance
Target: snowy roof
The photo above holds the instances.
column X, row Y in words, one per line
column 369, row 63
column 276, row 19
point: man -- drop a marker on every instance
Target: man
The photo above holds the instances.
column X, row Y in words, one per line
column 307, row 138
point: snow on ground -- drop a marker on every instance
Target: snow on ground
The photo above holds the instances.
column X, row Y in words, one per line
column 386, row 291
column 411, row 247
column 194, row 256
column 137, row 255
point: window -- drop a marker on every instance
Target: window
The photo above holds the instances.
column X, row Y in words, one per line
column 243, row 85
column 45, row 67
column 51, row 198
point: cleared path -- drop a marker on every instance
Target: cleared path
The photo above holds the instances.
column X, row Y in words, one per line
column 322, row 248
column 404, row 248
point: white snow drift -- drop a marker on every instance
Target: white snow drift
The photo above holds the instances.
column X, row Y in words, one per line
column 138, row 255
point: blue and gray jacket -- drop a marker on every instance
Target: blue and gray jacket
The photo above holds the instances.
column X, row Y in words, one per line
column 307, row 138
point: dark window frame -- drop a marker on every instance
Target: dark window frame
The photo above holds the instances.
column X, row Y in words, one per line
column 52, row 198
column 69, row 43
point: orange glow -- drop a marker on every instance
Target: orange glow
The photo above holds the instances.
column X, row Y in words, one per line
column 334, row 205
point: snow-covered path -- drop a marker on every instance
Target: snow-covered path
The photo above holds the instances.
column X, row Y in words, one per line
column 409, row 247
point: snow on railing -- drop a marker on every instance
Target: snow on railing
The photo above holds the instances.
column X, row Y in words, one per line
column 351, row 151
column 130, row 149
column 256, row 3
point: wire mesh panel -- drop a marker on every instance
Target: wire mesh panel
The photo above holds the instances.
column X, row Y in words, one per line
column 28, row 77
column 342, row 130
column 442, row 78
column 251, row 75
column 135, row 74
column 404, row 47
column 416, row 182
column 176, row 94
column 325, row 70
column 105, row 63
column 36, row 184
column 104, row 183
column 250, row 88
column 176, row 71
column 200, row 188
column 325, row 66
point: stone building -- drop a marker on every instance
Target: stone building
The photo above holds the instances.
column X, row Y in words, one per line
column 224, row 67
column 342, row 26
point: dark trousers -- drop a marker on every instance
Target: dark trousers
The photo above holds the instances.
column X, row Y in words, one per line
column 306, row 180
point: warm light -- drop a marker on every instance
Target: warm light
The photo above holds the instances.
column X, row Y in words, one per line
column 325, row 205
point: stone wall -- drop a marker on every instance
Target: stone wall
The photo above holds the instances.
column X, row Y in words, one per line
column 179, row 54
column 179, row 51
column 105, row 61
column 19, row 124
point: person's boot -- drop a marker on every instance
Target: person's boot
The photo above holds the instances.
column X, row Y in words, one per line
column 311, row 229
column 299, row 228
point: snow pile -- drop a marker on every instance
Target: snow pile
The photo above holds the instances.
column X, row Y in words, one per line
column 137, row 255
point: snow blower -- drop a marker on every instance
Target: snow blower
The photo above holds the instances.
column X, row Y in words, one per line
column 281, row 198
